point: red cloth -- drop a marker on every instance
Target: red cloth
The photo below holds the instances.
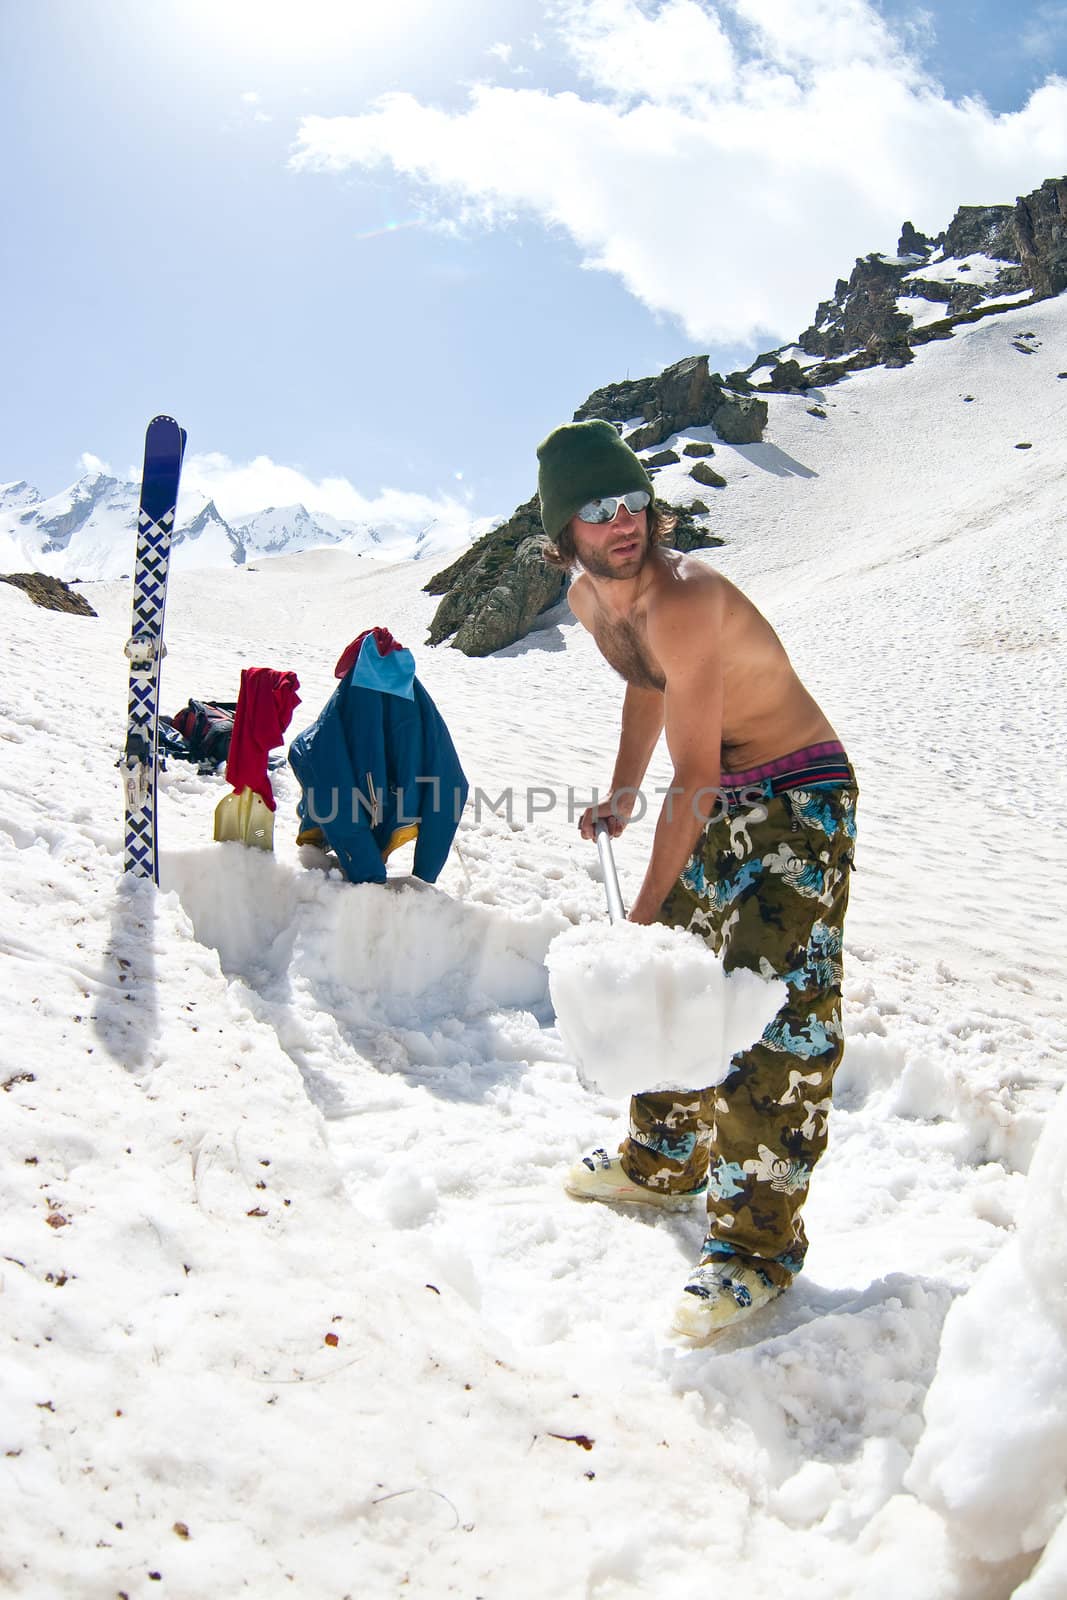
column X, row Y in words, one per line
column 264, row 709
column 349, row 656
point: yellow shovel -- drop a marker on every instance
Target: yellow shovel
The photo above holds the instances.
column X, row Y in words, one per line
column 246, row 818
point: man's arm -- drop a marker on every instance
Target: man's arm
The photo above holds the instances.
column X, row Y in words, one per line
column 642, row 724
column 643, row 712
column 686, row 635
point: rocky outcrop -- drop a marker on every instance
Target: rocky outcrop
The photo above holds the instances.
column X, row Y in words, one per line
column 1040, row 229
column 912, row 242
column 512, row 605
column 960, row 297
column 618, row 402
column 51, row 593
column 787, row 377
column 862, row 310
column 981, row 230
column 496, row 591
column 685, row 395
column 498, row 588
column 705, row 474
column 864, row 325
column 741, row 419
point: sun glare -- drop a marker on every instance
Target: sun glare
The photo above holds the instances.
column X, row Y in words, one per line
column 305, row 31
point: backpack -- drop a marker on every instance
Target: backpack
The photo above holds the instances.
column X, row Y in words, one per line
column 199, row 733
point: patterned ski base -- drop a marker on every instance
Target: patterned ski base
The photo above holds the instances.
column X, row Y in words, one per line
column 164, row 448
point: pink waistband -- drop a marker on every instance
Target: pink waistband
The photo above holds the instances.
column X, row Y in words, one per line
column 783, row 764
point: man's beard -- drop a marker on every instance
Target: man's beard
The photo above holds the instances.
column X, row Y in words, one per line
column 604, row 566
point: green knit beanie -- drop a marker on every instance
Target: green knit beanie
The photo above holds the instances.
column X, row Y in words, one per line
column 581, row 462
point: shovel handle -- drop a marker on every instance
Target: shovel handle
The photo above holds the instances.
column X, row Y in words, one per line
column 616, row 912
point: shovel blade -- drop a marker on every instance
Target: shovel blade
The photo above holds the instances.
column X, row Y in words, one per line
column 246, row 819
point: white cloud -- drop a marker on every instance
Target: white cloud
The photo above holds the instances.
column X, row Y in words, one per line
column 678, row 53
column 240, row 488
column 810, row 35
column 1044, row 30
column 90, row 463
column 730, row 159
column 252, row 100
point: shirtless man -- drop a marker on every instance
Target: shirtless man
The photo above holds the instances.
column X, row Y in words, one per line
column 752, row 851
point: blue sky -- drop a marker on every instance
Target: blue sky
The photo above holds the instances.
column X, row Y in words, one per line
column 378, row 304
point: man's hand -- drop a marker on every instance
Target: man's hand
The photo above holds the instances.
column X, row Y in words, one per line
column 643, row 913
column 616, row 811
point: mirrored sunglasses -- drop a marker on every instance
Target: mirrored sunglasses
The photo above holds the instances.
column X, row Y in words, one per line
column 606, row 508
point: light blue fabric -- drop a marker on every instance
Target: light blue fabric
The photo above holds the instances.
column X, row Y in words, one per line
column 393, row 673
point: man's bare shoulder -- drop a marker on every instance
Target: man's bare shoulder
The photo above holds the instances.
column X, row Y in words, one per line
column 686, row 591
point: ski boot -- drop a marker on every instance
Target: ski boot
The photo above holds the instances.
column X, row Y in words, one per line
column 722, row 1291
column 598, row 1176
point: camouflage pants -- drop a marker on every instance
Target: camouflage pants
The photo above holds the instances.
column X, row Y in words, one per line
column 767, row 888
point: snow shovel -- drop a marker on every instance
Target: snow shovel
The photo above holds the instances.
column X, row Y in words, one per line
column 616, row 910
column 246, row 818
column 644, row 1009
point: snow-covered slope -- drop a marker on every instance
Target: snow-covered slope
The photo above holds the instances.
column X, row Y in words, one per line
column 975, row 271
column 294, row 1303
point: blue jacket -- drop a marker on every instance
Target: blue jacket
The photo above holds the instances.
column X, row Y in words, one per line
column 378, row 768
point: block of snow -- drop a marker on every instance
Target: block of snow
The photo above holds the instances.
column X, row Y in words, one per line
column 993, row 1458
column 651, row 1008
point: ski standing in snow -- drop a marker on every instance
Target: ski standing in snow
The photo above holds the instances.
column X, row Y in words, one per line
column 164, row 448
column 752, row 851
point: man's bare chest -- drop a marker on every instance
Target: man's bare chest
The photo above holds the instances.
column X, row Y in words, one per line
column 623, row 646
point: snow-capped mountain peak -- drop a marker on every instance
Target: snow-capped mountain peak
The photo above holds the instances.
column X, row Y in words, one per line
column 87, row 531
column 209, row 540
column 94, row 499
column 279, row 530
column 18, row 497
